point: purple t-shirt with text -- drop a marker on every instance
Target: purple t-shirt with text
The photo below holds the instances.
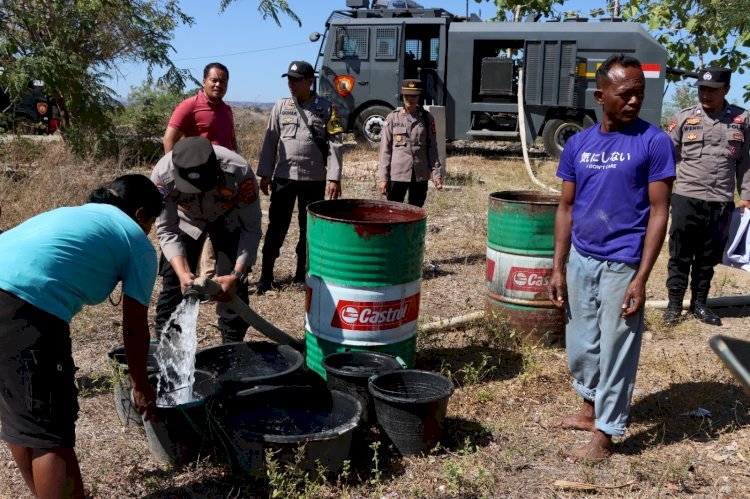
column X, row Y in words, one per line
column 612, row 172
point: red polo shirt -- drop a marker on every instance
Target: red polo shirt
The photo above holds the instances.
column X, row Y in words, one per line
column 196, row 116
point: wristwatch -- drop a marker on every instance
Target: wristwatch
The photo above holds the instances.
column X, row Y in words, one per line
column 242, row 276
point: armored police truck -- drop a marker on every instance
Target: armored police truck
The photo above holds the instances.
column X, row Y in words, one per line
column 472, row 68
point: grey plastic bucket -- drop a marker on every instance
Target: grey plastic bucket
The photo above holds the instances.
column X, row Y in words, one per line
column 239, row 366
column 283, row 418
column 182, row 434
column 349, row 372
column 410, row 406
column 121, row 386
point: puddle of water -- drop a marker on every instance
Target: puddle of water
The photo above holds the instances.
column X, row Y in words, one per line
column 175, row 355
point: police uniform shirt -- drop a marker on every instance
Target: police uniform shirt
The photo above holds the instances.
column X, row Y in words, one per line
column 404, row 145
column 712, row 151
column 236, row 190
column 289, row 150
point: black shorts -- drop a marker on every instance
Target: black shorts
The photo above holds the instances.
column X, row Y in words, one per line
column 38, row 396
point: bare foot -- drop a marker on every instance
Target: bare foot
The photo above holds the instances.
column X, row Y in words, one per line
column 584, row 419
column 573, row 422
column 599, row 448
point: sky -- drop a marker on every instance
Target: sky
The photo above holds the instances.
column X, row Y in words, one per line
column 258, row 52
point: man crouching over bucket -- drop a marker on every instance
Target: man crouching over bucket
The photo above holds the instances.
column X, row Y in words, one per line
column 609, row 227
column 209, row 191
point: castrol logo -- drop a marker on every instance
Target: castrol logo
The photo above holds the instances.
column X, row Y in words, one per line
column 490, row 269
column 524, row 279
column 375, row 316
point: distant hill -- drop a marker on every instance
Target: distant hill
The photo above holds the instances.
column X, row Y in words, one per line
column 266, row 106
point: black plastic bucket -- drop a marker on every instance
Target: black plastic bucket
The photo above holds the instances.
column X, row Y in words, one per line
column 182, row 434
column 239, row 366
column 121, row 386
column 283, row 418
column 349, row 372
column 410, row 406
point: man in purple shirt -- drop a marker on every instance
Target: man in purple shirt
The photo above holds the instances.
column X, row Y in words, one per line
column 610, row 225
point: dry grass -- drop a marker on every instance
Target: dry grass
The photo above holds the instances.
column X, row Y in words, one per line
column 496, row 443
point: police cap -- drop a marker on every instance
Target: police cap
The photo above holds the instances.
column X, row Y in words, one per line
column 195, row 165
column 299, row 69
column 713, row 77
column 411, row 87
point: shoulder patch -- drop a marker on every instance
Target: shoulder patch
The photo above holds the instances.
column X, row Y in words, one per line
column 248, row 194
column 672, row 124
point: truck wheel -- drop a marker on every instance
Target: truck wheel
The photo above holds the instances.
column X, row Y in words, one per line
column 370, row 123
column 24, row 126
column 557, row 132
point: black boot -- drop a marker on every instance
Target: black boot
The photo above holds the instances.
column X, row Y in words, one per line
column 701, row 311
column 266, row 276
column 673, row 314
column 299, row 274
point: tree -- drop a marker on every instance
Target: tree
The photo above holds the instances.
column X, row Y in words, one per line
column 698, row 33
column 74, row 45
column 684, row 96
column 269, row 8
column 514, row 10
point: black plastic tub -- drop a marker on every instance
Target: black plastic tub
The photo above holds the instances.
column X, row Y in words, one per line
column 182, row 433
column 239, row 366
column 349, row 372
column 121, row 386
column 410, row 406
column 284, row 418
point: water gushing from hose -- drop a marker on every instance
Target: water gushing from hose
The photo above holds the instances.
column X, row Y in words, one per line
column 176, row 355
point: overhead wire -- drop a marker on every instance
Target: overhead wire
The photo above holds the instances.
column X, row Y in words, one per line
column 268, row 49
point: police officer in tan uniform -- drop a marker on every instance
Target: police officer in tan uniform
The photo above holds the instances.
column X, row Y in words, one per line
column 300, row 160
column 711, row 140
column 408, row 150
column 209, row 191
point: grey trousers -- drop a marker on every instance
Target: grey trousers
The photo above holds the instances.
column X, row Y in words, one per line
column 603, row 348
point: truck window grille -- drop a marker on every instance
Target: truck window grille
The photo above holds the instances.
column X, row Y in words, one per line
column 434, row 48
column 414, row 47
column 385, row 43
column 353, row 42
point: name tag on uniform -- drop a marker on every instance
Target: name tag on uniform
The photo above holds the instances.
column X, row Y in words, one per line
column 693, row 121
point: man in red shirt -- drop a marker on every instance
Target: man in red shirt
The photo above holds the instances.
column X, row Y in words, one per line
column 205, row 114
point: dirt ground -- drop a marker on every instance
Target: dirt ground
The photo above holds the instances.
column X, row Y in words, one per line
column 496, row 443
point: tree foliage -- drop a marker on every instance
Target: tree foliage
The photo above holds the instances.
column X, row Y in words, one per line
column 697, row 33
column 74, row 45
column 684, row 96
column 515, row 10
column 269, row 8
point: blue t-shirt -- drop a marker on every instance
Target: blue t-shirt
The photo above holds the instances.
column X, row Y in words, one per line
column 612, row 172
column 63, row 259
